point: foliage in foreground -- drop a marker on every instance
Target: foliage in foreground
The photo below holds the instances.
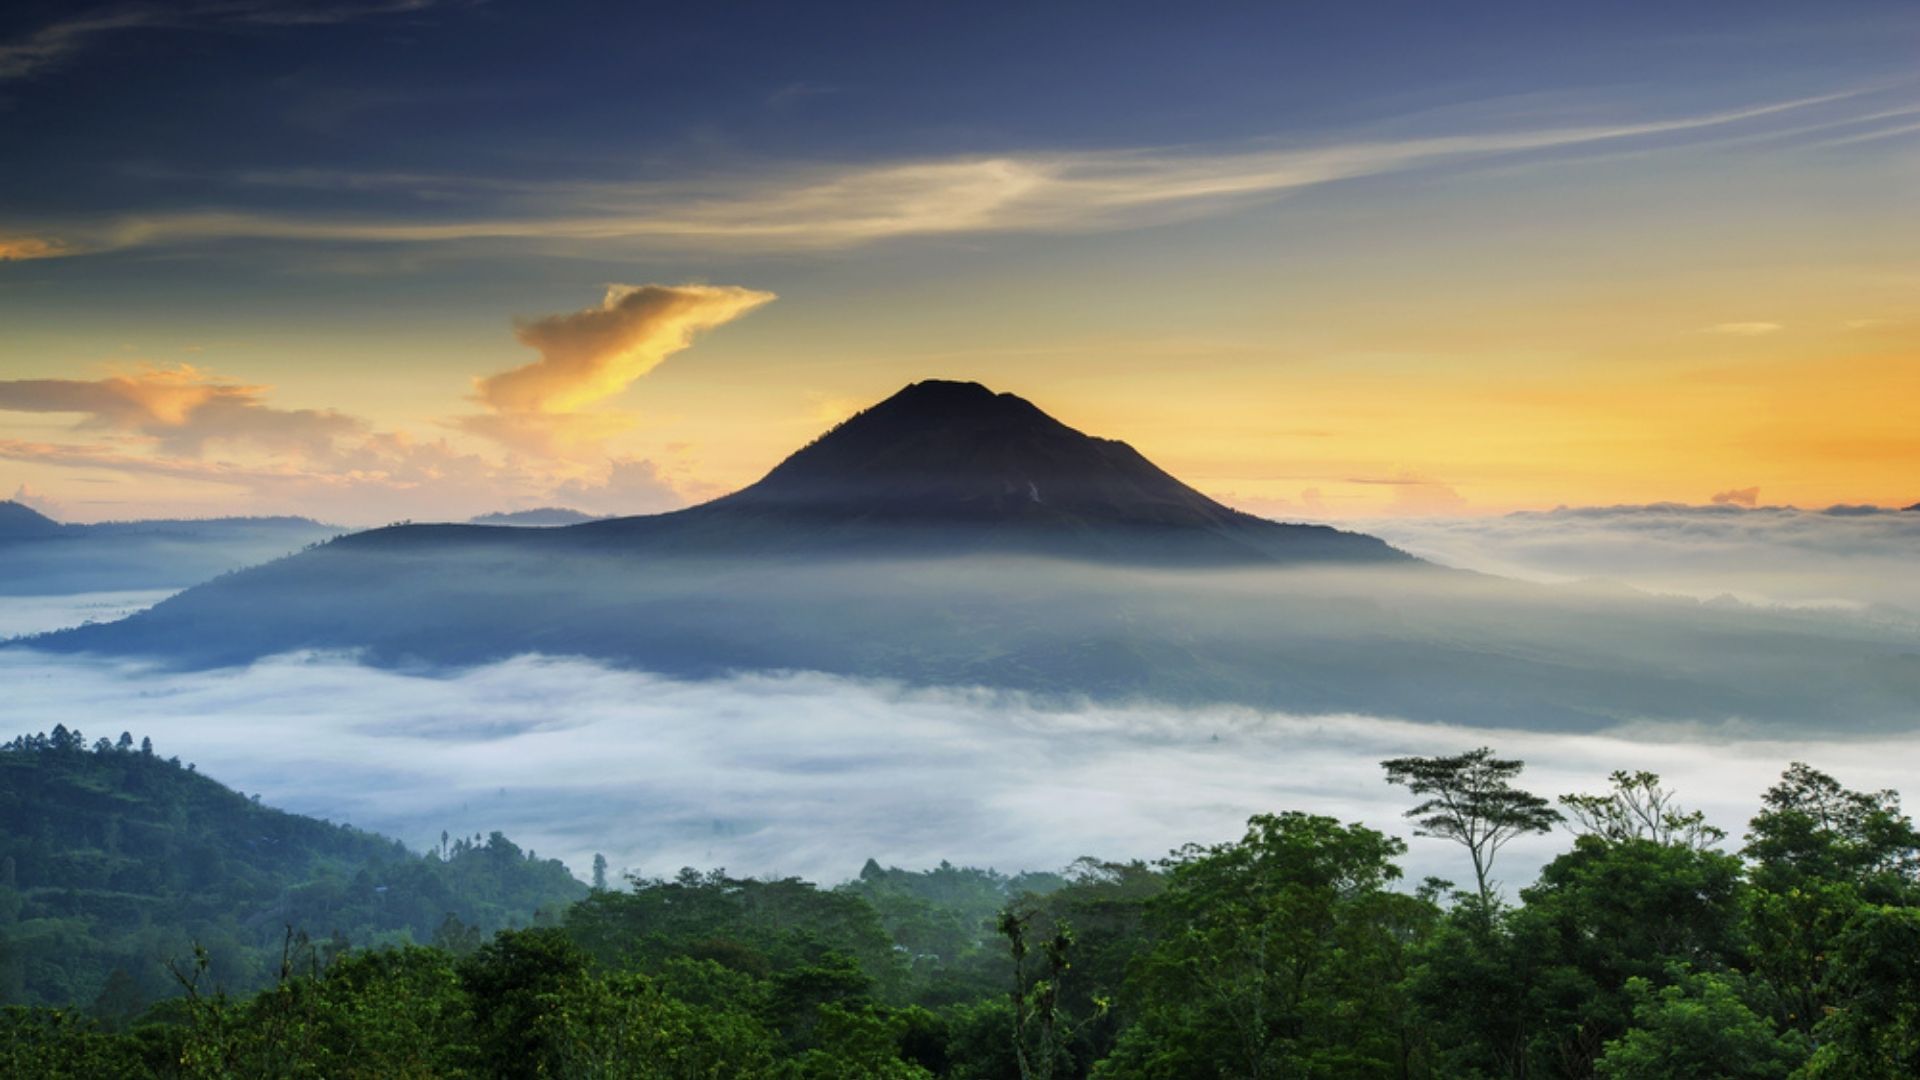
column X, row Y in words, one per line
column 1642, row 951
column 114, row 860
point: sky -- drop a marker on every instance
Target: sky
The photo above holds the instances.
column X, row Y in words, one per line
column 372, row 260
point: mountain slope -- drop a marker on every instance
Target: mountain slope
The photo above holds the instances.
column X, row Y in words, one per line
column 950, row 451
column 22, row 522
column 112, row 858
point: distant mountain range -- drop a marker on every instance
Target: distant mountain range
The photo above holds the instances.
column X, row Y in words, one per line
column 953, row 536
column 543, row 517
column 43, row 557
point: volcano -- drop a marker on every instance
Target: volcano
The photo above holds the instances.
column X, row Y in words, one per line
column 953, row 536
column 954, row 468
column 958, row 452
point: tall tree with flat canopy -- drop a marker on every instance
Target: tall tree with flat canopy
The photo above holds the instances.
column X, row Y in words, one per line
column 1472, row 801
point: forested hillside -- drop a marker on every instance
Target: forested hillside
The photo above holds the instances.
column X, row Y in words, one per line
column 1643, row 952
column 114, row 861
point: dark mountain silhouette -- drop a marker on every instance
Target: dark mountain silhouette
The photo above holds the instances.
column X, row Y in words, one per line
column 953, row 536
column 958, row 452
column 19, row 521
column 952, row 467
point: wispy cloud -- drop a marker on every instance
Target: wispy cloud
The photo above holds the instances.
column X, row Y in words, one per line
column 1415, row 494
column 826, row 207
column 59, row 42
column 1743, row 329
column 182, row 409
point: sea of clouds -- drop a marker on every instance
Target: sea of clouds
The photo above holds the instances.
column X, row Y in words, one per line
column 798, row 773
column 810, row 775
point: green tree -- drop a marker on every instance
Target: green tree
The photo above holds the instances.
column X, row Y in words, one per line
column 1040, row 1028
column 1609, row 912
column 1819, row 852
column 1873, row 1029
column 1471, row 800
column 512, row 982
column 1640, row 808
column 1276, row 955
column 1698, row 1027
column 1810, row 828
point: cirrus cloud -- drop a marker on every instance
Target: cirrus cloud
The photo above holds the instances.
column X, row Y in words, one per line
column 56, row 43
column 778, row 208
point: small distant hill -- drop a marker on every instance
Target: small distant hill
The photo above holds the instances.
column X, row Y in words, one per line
column 43, row 557
column 543, row 517
column 19, row 521
column 114, row 861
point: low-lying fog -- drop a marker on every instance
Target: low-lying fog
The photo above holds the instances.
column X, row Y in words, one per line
column 1844, row 556
column 24, row 615
column 810, row 775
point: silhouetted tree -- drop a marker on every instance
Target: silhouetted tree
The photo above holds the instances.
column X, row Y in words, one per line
column 1472, row 802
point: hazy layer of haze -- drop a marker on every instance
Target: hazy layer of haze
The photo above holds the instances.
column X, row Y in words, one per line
column 810, row 775
column 23, row 615
column 1852, row 557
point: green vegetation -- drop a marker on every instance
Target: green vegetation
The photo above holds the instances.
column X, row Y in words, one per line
column 114, row 861
column 1642, row 951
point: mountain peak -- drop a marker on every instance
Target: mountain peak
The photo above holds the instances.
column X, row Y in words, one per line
column 18, row 521
column 957, row 451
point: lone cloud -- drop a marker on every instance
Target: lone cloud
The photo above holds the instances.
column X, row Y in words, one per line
column 590, row 355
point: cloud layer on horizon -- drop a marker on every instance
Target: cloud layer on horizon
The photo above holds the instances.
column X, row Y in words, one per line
column 183, row 410
column 808, row 774
column 1853, row 557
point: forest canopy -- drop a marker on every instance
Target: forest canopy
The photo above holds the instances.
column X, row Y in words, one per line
column 1652, row 946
